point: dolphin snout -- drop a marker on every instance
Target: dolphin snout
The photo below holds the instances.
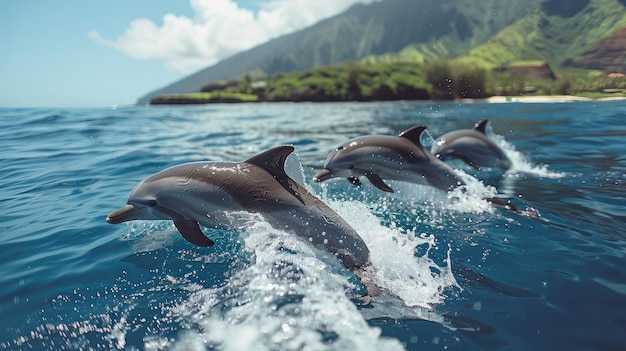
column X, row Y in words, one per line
column 322, row 176
column 121, row 215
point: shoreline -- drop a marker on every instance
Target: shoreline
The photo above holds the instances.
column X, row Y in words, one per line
column 544, row 99
column 497, row 99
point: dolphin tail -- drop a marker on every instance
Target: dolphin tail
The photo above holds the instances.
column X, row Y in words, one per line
column 366, row 275
column 192, row 233
column 504, row 204
column 529, row 212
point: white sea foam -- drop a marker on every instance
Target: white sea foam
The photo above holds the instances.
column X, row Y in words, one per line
column 520, row 163
column 393, row 255
column 291, row 296
column 295, row 295
column 469, row 198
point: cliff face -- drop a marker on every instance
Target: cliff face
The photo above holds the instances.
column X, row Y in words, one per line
column 609, row 55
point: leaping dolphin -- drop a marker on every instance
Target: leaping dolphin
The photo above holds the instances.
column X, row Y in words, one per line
column 379, row 157
column 397, row 158
column 472, row 146
column 201, row 193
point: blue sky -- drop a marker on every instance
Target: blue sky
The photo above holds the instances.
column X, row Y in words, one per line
column 102, row 53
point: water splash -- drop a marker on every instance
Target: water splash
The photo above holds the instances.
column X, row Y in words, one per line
column 520, row 164
column 293, row 295
column 416, row 280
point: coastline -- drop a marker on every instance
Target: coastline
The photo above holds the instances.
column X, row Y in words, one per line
column 546, row 99
column 192, row 99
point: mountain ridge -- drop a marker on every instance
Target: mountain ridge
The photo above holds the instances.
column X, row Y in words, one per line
column 361, row 31
column 550, row 36
column 488, row 32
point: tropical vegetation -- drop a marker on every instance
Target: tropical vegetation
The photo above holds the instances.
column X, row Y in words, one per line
column 437, row 79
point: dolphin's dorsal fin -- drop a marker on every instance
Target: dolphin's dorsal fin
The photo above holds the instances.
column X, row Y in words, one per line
column 414, row 134
column 481, row 125
column 273, row 161
column 192, row 233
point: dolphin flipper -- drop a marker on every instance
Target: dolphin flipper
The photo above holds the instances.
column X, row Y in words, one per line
column 378, row 182
column 192, row 233
column 273, row 161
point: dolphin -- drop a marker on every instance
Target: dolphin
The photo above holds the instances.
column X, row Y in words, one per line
column 202, row 193
column 472, row 146
column 397, row 158
column 390, row 157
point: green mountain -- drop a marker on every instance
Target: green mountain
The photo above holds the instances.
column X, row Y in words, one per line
column 561, row 30
column 365, row 31
column 485, row 32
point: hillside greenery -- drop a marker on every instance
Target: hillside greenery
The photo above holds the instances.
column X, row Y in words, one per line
column 550, row 37
column 452, row 51
column 437, row 79
column 350, row 81
column 204, row 98
column 436, row 28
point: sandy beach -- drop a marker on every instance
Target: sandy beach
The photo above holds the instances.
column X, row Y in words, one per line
column 548, row 98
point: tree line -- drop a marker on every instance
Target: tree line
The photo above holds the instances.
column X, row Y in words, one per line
column 351, row 81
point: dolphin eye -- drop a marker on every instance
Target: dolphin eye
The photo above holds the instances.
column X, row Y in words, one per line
column 340, row 148
column 152, row 203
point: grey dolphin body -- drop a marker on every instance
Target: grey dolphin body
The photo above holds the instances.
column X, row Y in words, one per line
column 379, row 157
column 472, row 146
column 201, row 193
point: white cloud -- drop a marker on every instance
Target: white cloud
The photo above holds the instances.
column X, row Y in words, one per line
column 219, row 29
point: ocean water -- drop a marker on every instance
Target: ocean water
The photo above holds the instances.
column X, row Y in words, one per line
column 464, row 276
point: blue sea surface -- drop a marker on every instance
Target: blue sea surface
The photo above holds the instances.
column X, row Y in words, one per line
column 465, row 275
